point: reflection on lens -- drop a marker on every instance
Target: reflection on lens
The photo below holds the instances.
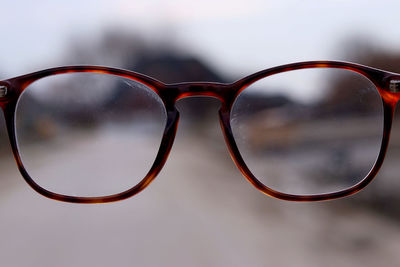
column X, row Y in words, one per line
column 88, row 134
column 310, row 131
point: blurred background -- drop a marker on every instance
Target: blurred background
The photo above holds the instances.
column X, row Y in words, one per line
column 199, row 211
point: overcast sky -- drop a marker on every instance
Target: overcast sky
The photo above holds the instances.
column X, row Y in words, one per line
column 235, row 36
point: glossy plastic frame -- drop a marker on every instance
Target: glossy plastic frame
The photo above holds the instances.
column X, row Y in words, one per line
column 387, row 83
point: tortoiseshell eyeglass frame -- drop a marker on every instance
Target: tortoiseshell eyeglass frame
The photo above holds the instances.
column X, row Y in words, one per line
column 387, row 84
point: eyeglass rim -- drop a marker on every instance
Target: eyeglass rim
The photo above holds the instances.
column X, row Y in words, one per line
column 227, row 94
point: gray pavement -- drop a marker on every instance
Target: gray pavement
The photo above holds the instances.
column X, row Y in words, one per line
column 199, row 211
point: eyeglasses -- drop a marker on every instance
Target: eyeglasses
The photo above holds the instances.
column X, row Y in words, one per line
column 305, row 131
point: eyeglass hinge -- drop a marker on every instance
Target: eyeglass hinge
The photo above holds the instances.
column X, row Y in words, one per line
column 394, row 86
column 3, row 90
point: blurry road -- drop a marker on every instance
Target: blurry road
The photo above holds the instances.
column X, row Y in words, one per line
column 199, row 211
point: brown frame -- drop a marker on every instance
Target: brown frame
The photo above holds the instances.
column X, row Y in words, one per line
column 387, row 83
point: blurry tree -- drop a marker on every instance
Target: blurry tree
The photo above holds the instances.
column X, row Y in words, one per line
column 362, row 51
column 161, row 60
column 382, row 195
column 126, row 49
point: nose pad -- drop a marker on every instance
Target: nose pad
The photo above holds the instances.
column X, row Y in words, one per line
column 199, row 133
column 198, row 109
column 198, row 115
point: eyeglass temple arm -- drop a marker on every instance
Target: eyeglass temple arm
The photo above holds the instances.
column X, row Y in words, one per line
column 3, row 90
column 391, row 89
column 394, row 86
